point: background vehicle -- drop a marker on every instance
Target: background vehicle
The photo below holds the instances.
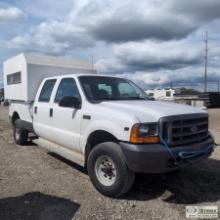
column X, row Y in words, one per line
column 101, row 122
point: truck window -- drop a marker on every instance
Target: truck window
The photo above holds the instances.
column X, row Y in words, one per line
column 101, row 88
column 125, row 89
column 106, row 88
column 47, row 90
column 67, row 87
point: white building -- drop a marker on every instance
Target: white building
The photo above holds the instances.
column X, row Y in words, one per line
column 161, row 94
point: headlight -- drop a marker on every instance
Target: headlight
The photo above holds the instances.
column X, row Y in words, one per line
column 144, row 133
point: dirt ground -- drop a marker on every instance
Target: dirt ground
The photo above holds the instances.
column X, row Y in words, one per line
column 35, row 184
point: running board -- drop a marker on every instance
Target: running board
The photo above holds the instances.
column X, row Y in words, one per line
column 68, row 154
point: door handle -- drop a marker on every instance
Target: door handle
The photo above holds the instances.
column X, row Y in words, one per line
column 51, row 112
column 35, row 110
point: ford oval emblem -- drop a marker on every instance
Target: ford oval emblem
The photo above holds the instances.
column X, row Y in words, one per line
column 194, row 129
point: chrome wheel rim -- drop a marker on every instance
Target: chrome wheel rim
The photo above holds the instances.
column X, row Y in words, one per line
column 105, row 170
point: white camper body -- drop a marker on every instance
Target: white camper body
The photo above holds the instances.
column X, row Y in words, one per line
column 24, row 73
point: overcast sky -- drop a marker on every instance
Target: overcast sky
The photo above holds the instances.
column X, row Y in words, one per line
column 153, row 42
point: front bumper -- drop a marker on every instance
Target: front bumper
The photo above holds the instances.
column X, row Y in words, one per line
column 155, row 158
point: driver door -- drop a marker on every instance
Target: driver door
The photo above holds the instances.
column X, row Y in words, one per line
column 66, row 120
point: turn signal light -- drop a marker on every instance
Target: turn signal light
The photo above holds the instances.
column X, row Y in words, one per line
column 136, row 139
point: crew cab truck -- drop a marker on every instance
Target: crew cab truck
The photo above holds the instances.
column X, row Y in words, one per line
column 106, row 124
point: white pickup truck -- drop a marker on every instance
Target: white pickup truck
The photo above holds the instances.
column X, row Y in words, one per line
column 108, row 125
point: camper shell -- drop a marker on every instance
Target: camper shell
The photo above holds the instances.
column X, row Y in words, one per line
column 24, row 73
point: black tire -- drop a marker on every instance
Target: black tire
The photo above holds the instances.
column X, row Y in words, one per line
column 124, row 177
column 20, row 135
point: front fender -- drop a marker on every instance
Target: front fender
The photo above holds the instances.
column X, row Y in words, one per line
column 117, row 130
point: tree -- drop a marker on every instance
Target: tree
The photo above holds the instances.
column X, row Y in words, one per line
column 188, row 91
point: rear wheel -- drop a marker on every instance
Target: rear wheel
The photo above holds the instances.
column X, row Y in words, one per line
column 108, row 170
column 20, row 134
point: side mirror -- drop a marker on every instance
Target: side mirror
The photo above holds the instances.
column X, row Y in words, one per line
column 70, row 102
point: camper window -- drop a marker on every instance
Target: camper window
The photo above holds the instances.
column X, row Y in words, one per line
column 14, row 78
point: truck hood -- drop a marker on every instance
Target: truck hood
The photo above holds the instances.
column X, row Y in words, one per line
column 150, row 110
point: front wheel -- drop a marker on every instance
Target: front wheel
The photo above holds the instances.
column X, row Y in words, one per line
column 20, row 134
column 108, row 170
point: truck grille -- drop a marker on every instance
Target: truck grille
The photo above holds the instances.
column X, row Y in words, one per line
column 184, row 129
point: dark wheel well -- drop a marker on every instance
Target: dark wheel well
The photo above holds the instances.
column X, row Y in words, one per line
column 98, row 137
column 15, row 116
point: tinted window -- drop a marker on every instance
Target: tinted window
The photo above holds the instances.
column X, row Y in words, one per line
column 67, row 87
column 14, row 78
column 105, row 88
column 47, row 90
column 126, row 89
column 101, row 88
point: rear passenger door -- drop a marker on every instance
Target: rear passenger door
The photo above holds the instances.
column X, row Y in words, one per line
column 66, row 120
column 42, row 110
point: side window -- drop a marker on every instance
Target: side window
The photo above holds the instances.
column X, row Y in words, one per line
column 125, row 89
column 67, row 87
column 168, row 93
column 47, row 90
column 106, row 88
column 14, row 78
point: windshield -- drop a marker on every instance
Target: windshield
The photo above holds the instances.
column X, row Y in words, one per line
column 101, row 88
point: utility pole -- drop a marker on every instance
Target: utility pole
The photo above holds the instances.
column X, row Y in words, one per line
column 171, row 84
column 206, row 61
column 92, row 62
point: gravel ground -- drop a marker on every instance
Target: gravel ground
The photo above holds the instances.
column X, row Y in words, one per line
column 35, row 184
